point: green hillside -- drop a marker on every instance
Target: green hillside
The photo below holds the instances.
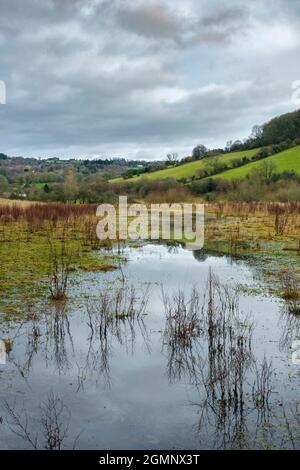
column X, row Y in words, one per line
column 189, row 169
column 287, row 160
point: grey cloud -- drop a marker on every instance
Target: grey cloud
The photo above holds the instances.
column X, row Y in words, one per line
column 153, row 20
column 158, row 22
column 139, row 78
column 225, row 16
column 222, row 25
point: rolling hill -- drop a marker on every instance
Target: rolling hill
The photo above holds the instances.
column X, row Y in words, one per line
column 287, row 160
column 189, row 169
column 282, row 130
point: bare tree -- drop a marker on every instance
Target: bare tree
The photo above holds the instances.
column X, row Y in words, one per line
column 172, row 157
column 256, row 132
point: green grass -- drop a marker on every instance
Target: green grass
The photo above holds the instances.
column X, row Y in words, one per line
column 189, row 169
column 25, row 259
column 287, row 160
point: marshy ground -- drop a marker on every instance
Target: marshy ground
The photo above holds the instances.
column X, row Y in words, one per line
column 151, row 345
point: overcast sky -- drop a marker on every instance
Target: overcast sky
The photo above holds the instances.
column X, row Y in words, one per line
column 140, row 78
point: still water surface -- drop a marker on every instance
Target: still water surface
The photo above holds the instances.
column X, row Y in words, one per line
column 130, row 395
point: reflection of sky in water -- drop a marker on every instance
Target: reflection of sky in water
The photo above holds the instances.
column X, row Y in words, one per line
column 139, row 408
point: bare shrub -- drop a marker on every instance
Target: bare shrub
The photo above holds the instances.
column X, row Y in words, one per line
column 261, row 388
column 223, row 369
column 54, row 422
column 170, row 196
column 58, row 335
column 55, row 419
column 114, row 315
column 290, row 285
column 291, row 291
column 116, row 305
column 281, row 220
column 182, row 327
column 229, row 334
column 61, row 257
column 182, row 317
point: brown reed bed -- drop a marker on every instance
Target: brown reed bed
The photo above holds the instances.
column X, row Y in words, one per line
column 35, row 214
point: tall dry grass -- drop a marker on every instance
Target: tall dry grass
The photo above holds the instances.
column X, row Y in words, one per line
column 36, row 213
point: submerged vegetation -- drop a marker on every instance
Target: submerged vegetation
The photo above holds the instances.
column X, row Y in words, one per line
column 291, row 291
column 54, row 423
column 43, row 246
column 206, row 339
column 209, row 340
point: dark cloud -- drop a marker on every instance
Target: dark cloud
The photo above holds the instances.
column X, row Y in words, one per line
column 222, row 25
column 158, row 21
column 142, row 78
column 225, row 16
column 154, row 20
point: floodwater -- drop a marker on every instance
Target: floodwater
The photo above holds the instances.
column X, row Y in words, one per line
column 135, row 389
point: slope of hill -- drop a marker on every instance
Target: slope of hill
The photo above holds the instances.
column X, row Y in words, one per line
column 284, row 161
column 190, row 169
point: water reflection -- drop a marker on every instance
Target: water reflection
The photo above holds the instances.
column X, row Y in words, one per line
column 58, row 337
column 210, row 342
column 181, row 334
column 51, row 429
column 114, row 316
column 290, row 329
column 111, row 363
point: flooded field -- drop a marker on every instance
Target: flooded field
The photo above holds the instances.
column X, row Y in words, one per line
column 175, row 349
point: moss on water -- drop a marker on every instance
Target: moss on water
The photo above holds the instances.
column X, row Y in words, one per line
column 99, row 267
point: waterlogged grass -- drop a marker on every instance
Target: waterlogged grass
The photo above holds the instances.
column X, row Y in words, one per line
column 96, row 267
column 284, row 161
column 251, row 231
column 233, row 229
column 251, row 234
column 190, row 169
column 25, row 259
